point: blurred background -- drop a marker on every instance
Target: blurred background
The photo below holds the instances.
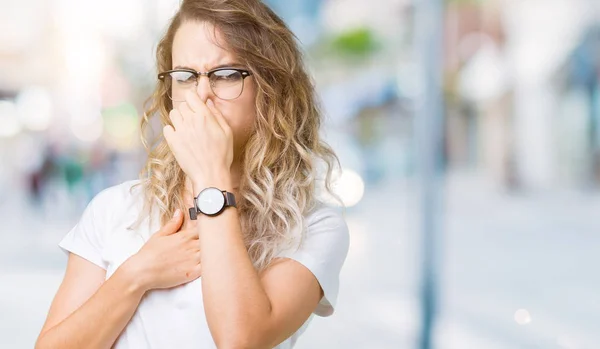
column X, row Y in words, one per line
column 517, row 202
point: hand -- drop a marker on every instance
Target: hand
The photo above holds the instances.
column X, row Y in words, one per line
column 201, row 140
column 170, row 257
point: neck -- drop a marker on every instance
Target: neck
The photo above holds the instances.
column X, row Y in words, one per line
column 236, row 176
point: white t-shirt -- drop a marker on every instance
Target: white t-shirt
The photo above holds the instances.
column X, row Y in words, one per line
column 174, row 318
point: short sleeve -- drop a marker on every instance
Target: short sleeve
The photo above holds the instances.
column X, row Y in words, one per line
column 323, row 250
column 85, row 238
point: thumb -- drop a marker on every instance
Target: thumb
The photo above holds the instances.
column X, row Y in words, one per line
column 217, row 115
column 173, row 225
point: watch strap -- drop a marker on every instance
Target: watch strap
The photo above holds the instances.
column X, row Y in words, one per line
column 229, row 199
column 193, row 213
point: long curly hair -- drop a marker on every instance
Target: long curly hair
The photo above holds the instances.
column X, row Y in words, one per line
column 283, row 157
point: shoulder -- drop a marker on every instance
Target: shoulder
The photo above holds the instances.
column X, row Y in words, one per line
column 121, row 191
column 328, row 220
column 324, row 215
column 106, row 209
column 325, row 232
column 114, row 199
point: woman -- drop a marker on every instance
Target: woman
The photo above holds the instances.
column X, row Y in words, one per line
column 222, row 242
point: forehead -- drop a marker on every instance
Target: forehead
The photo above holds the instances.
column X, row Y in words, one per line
column 199, row 45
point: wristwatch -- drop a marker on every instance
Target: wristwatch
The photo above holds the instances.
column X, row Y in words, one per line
column 211, row 202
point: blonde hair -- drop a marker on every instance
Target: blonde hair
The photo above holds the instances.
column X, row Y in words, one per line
column 280, row 159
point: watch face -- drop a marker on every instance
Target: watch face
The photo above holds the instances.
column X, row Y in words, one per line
column 210, row 201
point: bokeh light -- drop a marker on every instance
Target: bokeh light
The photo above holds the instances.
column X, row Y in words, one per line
column 9, row 119
column 34, row 106
column 522, row 317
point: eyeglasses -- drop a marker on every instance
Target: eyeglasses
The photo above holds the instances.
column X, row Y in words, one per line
column 226, row 83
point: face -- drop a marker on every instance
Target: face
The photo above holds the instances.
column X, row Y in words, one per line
column 195, row 47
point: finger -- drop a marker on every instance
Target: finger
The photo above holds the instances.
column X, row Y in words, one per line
column 185, row 111
column 189, row 223
column 172, row 226
column 198, row 267
column 219, row 118
column 195, row 272
column 191, row 234
column 176, row 119
column 193, row 248
column 194, row 102
column 168, row 133
column 194, row 252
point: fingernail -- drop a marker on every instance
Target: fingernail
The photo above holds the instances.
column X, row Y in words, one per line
column 177, row 213
column 210, row 103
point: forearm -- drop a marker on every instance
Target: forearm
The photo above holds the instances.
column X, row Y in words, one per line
column 234, row 299
column 100, row 320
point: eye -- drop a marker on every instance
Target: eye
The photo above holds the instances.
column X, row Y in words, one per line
column 183, row 77
column 226, row 75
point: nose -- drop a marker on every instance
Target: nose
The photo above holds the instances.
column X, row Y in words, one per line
column 203, row 88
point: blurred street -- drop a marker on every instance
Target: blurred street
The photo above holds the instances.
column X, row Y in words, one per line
column 501, row 253
column 513, row 127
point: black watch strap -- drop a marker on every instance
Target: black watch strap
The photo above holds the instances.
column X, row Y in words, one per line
column 229, row 199
column 193, row 213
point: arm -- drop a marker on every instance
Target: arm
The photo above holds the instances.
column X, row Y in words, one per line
column 88, row 311
column 245, row 309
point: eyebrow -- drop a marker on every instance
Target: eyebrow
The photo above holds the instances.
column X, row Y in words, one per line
column 226, row 65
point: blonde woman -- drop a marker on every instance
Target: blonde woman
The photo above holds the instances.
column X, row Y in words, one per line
column 222, row 241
